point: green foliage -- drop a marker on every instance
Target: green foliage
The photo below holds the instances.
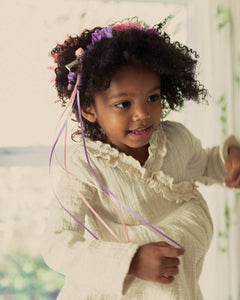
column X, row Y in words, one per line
column 237, row 197
column 227, row 216
column 223, row 17
column 222, row 103
column 224, row 235
column 167, row 19
column 237, row 79
column 27, row 278
column 223, row 249
column 178, row 28
column 230, row 220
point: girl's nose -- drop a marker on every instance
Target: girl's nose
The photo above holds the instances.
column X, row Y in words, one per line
column 140, row 113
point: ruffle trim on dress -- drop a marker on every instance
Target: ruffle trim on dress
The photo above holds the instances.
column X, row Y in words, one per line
column 178, row 192
column 150, row 173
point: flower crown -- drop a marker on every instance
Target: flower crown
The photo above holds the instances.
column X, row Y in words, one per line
column 106, row 32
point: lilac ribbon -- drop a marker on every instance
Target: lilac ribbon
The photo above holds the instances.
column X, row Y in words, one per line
column 71, row 76
column 50, row 163
column 105, row 32
column 151, row 31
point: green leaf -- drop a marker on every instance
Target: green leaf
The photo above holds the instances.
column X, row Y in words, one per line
column 221, row 99
column 223, row 234
column 223, row 119
column 222, row 249
column 237, row 79
column 227, row 216
column 223, row 17
column 224, row 108
column 220, row 9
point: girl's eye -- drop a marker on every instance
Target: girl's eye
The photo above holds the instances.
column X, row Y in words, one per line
column 124, row 104
column 153, row 98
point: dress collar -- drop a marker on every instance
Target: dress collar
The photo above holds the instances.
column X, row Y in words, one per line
column 157, row 151
column 150, row 173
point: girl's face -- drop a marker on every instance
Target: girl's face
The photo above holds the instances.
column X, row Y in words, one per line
column 129, row 110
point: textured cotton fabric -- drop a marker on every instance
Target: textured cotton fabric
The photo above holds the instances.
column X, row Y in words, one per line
column 162, row 191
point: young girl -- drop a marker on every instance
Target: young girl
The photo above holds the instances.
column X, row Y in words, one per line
column 149, row 238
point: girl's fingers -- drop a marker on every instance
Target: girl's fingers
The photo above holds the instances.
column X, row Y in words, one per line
column 168, row 250
column 233, row 174
column 171, row 271
column 168, row 276
column 172, row 251
column 171, row 262
column 233, row 181
column 228, row 164
column 157, row 262
column 162, row 244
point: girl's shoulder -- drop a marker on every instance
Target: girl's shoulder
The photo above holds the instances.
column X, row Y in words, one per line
column 177, row 133
column 171, row 128
column 76, row 158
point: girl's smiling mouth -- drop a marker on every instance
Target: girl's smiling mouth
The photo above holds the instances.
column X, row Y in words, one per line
column 140, row 132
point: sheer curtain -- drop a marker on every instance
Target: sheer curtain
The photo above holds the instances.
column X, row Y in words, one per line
column 213, row 32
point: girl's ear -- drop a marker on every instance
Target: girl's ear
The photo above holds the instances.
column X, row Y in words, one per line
column 89, row 113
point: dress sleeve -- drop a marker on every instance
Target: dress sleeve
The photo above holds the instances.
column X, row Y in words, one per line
column 231, row 140
column 208, row 165
column 205, row 165
column 96, row 264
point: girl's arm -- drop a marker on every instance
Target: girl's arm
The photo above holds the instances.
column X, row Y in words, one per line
column 216, row 164
column 199, row 164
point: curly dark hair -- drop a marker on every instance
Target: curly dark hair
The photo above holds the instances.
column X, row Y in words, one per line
column 173, row 62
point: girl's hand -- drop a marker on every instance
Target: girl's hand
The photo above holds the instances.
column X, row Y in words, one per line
column 232, row 164
column 157, row 262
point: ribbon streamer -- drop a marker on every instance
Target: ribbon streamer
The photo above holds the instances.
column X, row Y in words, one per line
column 69, row 173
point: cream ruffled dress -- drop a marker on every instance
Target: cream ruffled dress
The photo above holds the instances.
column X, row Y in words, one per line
column 162, row 191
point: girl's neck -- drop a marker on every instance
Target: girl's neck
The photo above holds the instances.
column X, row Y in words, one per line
column 140, row 154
